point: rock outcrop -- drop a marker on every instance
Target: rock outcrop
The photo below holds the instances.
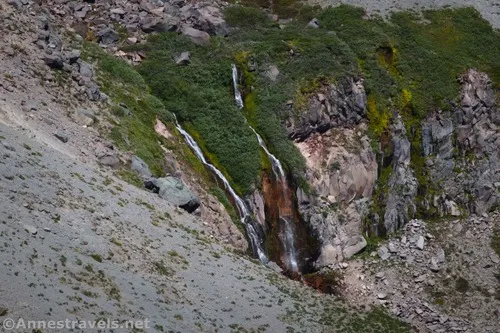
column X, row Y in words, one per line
column 402, row 186
column 342, row 171
column 341, row 168
column 462, row 150
column 337, row 105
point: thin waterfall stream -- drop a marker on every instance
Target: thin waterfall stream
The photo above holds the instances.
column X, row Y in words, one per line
column 246, row 219
column 286, row 225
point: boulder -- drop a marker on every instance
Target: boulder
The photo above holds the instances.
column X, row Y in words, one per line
column 84, row 117
column 183, row 59
column 420, row 242
column 383, row 253
column 210, row 20
column 74, row 56
column 314, row 23
column 272, row 73
column 54, row 61
column 63, row 137
column 107, row 36
column 139, row 166
column 153, row 24
column 85, row 70
column 197, row 36
column 110, row 160
column 173, row 190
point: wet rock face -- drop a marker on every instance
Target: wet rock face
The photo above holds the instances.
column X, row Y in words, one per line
column 462, row 150
column 338, row 105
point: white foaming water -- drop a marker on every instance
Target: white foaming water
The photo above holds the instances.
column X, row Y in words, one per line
column 237, row 94
column 289, row 243
column 286, row 228
column 276, row 164
column 242, row 209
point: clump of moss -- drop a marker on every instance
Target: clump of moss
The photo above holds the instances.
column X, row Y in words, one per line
column 96, row 256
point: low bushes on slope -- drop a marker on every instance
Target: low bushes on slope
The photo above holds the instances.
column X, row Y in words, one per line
column 410, row 62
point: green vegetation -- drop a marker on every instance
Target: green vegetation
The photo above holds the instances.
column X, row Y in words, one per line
column 410, row 63
column 3, row 311
column 126, row 87
column 199, row 94
column 96, row 256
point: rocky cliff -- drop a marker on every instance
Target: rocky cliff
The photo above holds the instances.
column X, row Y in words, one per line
column 461, row 150
column 341, row 167
column 459, row 175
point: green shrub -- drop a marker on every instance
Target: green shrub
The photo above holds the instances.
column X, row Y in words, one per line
column 247, row 17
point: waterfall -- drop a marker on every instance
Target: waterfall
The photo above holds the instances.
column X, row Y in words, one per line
column 276, row 164
column 237, row 94
column 286, row 228
column 246, row 219
column 287, row 235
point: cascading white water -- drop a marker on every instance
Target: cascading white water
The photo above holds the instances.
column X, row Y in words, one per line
column 286, row 228
column 237, row 93
column 289, row 244
column 242, row 209
column 276, row 164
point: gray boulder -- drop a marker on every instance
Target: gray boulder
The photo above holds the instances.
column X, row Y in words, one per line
column 314, row 23
column 85, row 70
column 183, row 59
column 177, row 193
column 54, row 61
column 197, row 36
column 210, row 20
column 139, row 166
column 84, row 117
column 153, row 24
column 62, row 136
column 107, row 36
column 74, row 56
column 110, row 160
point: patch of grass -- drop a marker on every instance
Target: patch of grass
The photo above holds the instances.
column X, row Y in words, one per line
column 162, row 269
column 247, row 17
column 96, row 256
column 130, row 177
column 173, row 253
column 63, row 260
column 89, row 294
column 116, row 242
column 123, row 84
column 3, row 311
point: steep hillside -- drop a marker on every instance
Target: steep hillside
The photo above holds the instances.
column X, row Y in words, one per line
column 248, row 167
